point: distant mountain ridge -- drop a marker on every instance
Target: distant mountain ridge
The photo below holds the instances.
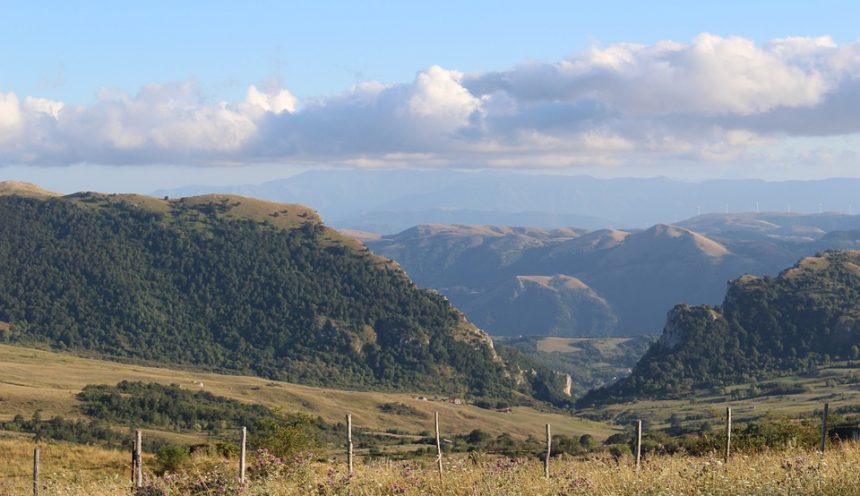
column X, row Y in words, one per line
column 389, row 201
column 803, row 318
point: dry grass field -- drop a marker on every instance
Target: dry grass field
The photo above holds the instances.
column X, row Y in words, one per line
column 33, row 379
column 836, row 385
column 569, row 345
column 81, row 471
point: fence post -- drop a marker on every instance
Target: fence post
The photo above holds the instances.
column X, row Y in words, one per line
column 728, row 433
column 439, row 448
column 36, row 472
column 638, row 444
column 349, row 441
column 824, row 426
column 133, row 463
column 138, row 475
column 242, row 454
column 548, row 452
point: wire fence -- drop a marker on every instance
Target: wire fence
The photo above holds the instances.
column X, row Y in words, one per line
column 134, row 471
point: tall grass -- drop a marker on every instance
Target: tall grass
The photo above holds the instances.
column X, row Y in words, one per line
column 80, row 471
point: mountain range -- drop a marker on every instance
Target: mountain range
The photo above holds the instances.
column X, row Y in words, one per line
column 389, row 201
column 575, row 282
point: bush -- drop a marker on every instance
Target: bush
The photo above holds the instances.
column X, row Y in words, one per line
column 171, row 458
column 295, row 434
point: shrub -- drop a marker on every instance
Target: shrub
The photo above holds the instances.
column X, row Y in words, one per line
column 172, row 458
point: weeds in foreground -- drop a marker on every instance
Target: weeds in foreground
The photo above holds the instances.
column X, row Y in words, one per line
column 796, row 471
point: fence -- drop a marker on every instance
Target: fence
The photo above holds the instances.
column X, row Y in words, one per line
column 137, row 460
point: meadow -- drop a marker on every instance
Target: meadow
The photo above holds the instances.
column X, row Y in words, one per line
column 89, row 471
column 32, row 379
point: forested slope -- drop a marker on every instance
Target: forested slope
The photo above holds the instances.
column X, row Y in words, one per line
column 229, row 283
column 806, row 317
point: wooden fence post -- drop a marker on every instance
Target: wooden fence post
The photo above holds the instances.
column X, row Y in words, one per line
column 824, row 426
column 548, row 452
column 638, row 444
column 349, row 442
column 242, row 454
column 36, row 472
column 138, row 475
column 133, row 463
column 439, row 448
column 728, row 433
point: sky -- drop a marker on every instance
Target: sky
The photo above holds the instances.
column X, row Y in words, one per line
column 144, row 95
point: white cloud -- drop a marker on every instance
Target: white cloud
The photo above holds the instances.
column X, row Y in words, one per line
column 437, row 94
column 712, row 99
column 277, row 101
column 10, row 115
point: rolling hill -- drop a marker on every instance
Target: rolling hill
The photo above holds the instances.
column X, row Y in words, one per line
column 805, row 318
column 229, row 283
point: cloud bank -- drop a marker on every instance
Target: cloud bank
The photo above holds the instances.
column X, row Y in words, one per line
column 715, row 99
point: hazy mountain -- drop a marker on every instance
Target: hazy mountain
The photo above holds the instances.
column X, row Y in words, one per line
column 637, row 275
column 772, row 225
column 226, row 282
column 557, row 305
column 805, row 317
column 388, row 201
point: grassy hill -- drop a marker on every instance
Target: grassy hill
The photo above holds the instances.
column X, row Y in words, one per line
column 230, row 283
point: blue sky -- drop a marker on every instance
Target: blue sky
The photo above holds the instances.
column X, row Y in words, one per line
column 69, row 50
column 88, row 64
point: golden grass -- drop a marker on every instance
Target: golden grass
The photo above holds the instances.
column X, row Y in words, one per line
column 33, row 379
column 569, row 345
column 92, row 472
column 821, row 388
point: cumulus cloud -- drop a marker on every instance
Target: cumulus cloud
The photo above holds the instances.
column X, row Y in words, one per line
column 714, row 99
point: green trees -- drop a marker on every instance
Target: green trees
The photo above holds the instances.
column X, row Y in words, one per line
column 803, row 319
column 190, row 285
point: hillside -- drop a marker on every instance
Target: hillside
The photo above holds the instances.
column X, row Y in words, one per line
column 804, row 318
column 33, row 379
column 229, row 283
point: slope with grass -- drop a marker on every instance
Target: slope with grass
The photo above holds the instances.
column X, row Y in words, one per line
column 32, row 379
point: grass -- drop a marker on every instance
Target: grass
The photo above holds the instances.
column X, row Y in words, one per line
column 32, row 379
column 820, row 387
column 606, row 346
column 83, row 471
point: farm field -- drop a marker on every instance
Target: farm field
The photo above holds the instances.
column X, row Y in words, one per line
column 32, row 379
column 83, row 471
